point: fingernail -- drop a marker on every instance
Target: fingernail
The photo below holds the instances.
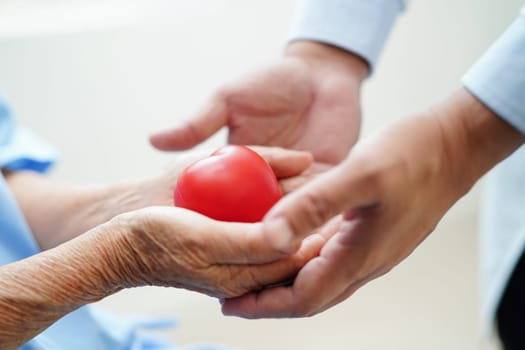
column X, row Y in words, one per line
column 279, row 234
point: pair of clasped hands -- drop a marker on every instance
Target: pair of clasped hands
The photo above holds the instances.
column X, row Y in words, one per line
column 351, row 211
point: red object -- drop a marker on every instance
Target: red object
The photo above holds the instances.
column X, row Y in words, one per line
column 233, row 184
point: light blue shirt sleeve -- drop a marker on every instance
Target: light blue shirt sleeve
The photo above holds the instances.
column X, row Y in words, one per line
column 359, row 26
column 498, row 77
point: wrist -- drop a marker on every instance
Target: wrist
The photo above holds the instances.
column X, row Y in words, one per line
column 476, row 137
column 110, row 201
column 329, row 57
column 132, row 253
column 93, row 206
column 84, row 207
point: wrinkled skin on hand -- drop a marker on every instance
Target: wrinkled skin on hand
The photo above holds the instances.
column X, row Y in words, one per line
column 162, row 246
column 174, row 247
column 179, row 248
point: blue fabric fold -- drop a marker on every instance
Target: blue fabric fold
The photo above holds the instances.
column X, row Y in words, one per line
column 20, row 149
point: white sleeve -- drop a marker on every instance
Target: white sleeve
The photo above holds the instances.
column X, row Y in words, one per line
column 359, row 26
column 498, row 77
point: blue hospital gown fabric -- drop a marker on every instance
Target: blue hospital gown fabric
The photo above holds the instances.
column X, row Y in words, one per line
column 87, row 328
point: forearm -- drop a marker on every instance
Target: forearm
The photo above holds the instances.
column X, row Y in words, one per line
column 57, row 212
column 36, row 292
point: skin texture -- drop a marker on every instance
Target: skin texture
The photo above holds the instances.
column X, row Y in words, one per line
column 392, row 190
column 46, row 203
column 312, row 92
column 157, row 245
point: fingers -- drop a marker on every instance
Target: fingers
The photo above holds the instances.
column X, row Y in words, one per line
column 215, row 242
column 291, row 184
column 270, row 303
column 280, row 271
column 285, row 162
column 323, row 282
column 306, row 297
column 345, row 187
column 195, row 131
column 237, row 243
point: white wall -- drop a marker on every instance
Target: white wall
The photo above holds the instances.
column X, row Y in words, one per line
column 97, row 94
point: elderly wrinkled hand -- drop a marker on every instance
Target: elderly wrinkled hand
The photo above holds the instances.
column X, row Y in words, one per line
column 178, row 248
column 125, row 246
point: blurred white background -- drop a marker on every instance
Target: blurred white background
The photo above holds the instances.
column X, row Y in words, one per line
column 96, row 77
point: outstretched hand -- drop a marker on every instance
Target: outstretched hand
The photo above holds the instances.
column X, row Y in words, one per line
column 309, row 100
column 392, row 191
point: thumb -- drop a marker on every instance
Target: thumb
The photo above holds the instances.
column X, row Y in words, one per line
column 195, row 131
column 345, row 187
